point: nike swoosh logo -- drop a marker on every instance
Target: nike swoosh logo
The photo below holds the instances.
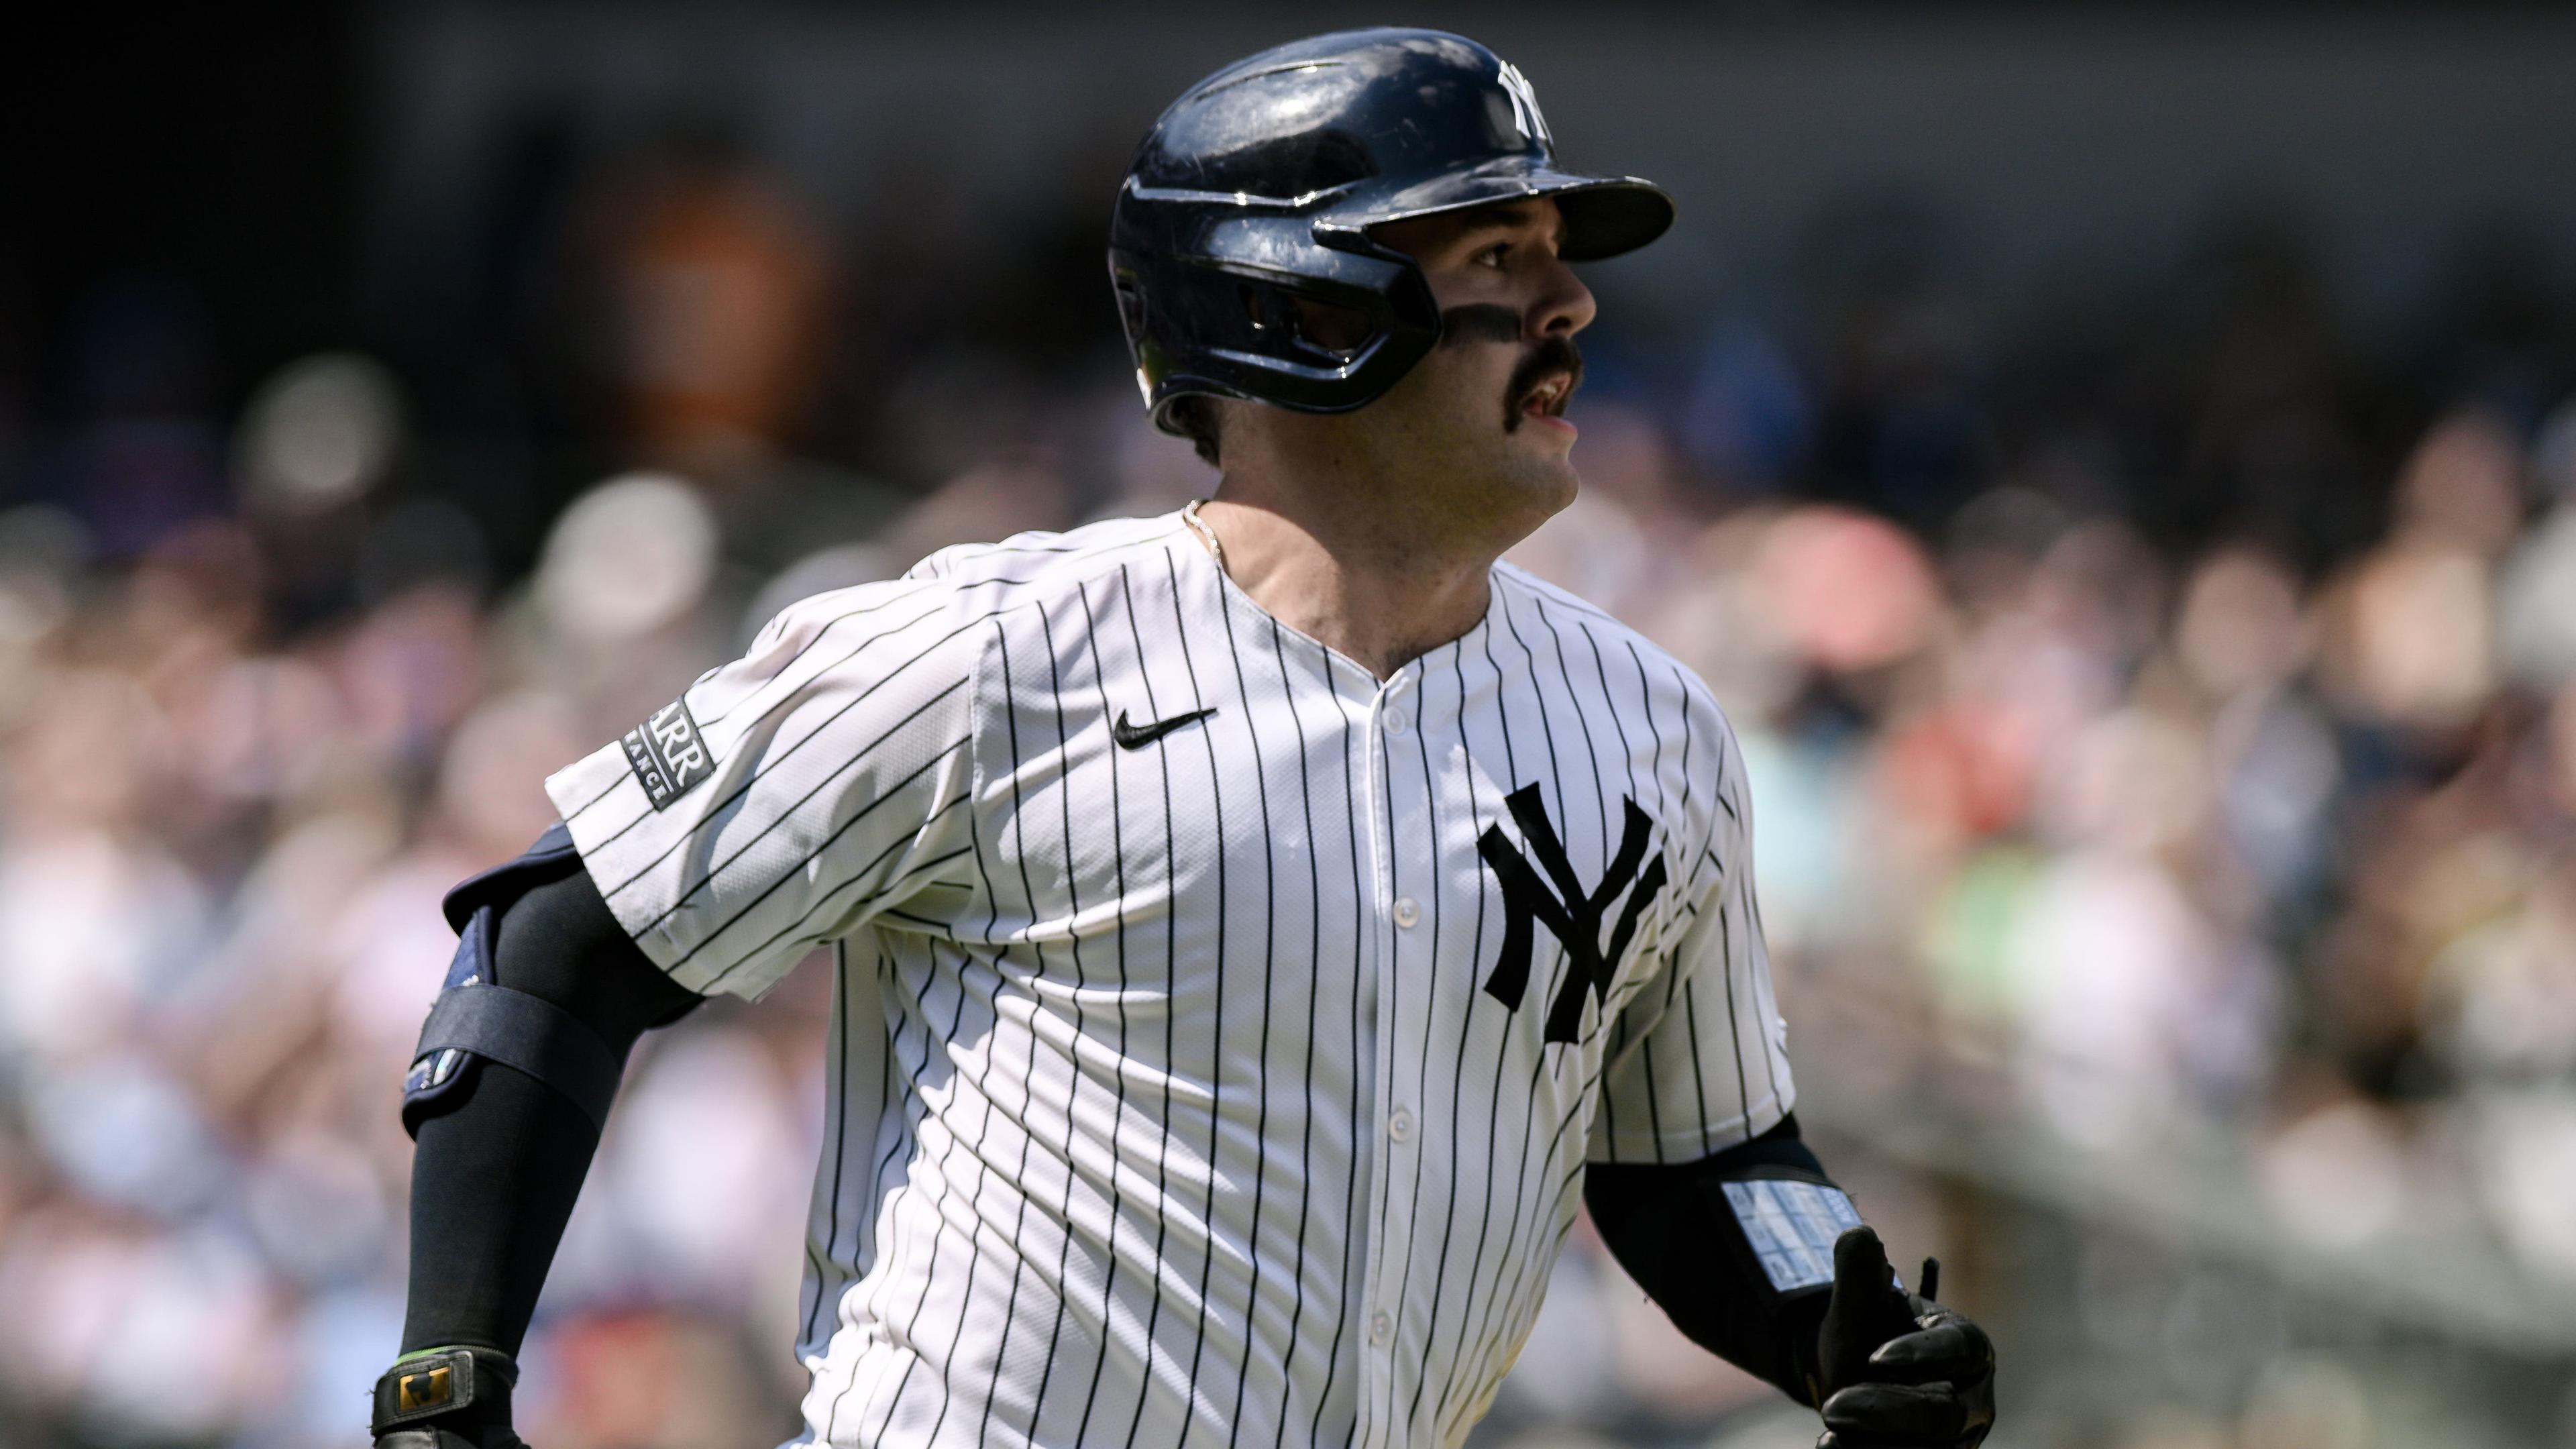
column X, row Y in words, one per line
column 1136, row 737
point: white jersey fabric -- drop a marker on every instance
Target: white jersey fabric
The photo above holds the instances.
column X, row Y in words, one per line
column 1175, row 1099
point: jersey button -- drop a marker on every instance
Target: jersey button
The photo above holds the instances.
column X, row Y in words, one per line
column 1400, row 1126
column 1407, row 911
column 1394, row 723
column 1381, row 1328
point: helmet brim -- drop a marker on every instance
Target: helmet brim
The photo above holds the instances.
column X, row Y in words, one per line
column 1604, row 215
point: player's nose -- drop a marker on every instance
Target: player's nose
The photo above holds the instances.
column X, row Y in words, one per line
column 1564, row 305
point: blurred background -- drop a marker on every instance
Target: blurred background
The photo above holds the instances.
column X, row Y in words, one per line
column 2115, row 465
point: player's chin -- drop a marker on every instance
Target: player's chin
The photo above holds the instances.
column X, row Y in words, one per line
column 1544, row 479
column 1541, row 446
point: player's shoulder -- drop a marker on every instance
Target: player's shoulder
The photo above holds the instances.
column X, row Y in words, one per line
column 1664, row 676
column 1042, row 560
column 951, row 606
column 974, row 581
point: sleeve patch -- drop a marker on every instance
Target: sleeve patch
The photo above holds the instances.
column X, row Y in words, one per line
column 1792, row 1226
column 667, row 754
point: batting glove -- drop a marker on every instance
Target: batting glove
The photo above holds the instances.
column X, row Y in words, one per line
column 1896, row 1370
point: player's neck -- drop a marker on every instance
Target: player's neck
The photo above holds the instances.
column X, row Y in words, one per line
column 1366, row 585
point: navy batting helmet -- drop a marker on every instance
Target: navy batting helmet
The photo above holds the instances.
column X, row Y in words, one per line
column 1240, row 248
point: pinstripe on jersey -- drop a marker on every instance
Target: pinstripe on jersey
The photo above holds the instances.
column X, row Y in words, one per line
column 1169, row 1104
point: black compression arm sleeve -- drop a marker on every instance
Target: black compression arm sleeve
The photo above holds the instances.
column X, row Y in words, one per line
column 494, row 1175
column 1670, row 1227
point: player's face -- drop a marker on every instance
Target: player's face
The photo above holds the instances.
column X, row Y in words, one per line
column 1484, row 412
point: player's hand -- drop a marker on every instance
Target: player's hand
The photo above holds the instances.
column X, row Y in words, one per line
column 1899, row 1371
column 456, row 1398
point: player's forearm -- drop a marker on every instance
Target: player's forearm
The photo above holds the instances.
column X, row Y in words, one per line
column 1883, row 1365
column 1671, row 1228
column 501, row 1158
column 493, row 1182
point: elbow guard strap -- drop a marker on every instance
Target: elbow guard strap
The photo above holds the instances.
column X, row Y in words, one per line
column 477, row 1018
column 523, row 1032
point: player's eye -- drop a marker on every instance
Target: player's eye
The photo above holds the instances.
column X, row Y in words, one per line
column 1492, row 256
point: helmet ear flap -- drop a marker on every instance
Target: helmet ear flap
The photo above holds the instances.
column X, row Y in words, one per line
column 1329, row 331
column 1330, row 336
column 1131, row 302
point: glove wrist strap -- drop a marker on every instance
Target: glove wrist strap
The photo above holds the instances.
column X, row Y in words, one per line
column 463, row 1385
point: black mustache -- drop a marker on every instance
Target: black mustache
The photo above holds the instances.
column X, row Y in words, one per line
column 1552, row 355
column 1490, row 322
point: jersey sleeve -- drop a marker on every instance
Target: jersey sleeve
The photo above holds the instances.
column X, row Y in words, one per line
column 1697, row 1060
column 792, row 796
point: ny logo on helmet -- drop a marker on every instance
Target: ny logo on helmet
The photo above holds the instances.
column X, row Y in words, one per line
column 1525, row 116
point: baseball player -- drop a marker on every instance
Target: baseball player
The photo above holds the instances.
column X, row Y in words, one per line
column 1253, row 930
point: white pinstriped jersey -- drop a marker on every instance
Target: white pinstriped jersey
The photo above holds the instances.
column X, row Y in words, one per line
column 1228, row 1087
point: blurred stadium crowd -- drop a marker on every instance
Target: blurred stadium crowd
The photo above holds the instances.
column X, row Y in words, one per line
column 2160, row 696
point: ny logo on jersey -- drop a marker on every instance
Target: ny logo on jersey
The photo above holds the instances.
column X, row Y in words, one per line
column 1525, row 116
column 1570, row 913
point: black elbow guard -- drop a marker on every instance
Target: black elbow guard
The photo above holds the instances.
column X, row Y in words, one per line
column 477, row 1019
